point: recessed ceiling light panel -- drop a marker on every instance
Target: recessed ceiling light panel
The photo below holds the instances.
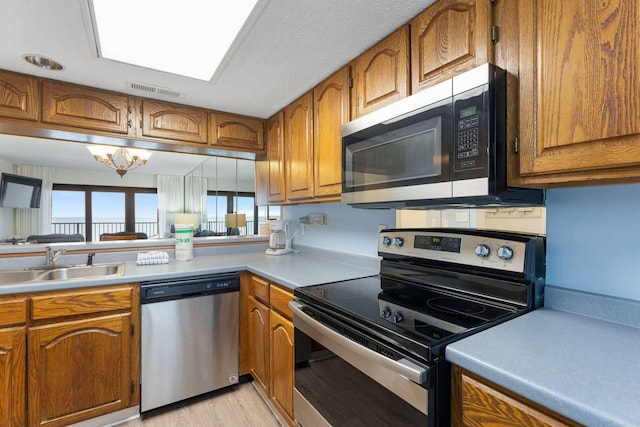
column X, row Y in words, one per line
column 189, row 38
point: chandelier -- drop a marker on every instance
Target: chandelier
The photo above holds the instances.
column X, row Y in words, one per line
column 119, row 159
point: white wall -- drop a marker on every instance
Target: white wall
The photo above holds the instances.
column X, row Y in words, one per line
column 6, row 214
column 348, row 230
column 592, row 239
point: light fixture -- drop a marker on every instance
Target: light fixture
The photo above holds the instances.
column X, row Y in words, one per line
column 43, row 62
column 189, row 40
column 119, row 159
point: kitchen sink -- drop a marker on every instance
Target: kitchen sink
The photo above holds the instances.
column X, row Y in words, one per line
column 39, row 274
column 84, row 272
column 17, row 276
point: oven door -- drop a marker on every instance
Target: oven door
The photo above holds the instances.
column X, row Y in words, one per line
column 400, row 156
column 344, row 381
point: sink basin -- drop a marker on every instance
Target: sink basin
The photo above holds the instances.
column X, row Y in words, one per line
column 37, row 274
column 17, row 276
column 84, row 272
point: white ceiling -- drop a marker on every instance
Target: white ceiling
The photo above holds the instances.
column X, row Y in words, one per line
column 288, row 47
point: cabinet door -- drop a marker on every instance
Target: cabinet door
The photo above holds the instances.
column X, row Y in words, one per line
column 382, row 73
column 482, row 403
column 172, row 121
column 282, row 365
column 579, row 83
column 449, row 37
column 19, row 97
column 81, row 107
column 13, row 367
column 259, row 342
column 298, row 143
column 275, row 158
column 236, row 132
column 331, row 111
column 79, row 370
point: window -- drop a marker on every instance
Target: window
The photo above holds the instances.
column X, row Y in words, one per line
column 68, row 212
column 93, row 210
column 224, row 202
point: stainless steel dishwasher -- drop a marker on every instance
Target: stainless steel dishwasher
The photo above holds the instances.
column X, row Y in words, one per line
column 190, row 331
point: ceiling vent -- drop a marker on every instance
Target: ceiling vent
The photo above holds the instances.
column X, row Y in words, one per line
column 151, row 89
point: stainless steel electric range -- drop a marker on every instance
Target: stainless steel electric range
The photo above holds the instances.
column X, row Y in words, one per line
column 371, row 351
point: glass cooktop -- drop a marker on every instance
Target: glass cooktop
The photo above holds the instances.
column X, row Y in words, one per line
column 429, row 317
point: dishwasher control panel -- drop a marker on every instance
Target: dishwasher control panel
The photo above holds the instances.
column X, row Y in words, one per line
column 156, row 291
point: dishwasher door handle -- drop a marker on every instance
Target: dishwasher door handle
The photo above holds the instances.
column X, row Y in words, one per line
column 359, row 356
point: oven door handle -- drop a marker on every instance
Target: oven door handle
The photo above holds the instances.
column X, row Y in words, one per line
column 359, row 356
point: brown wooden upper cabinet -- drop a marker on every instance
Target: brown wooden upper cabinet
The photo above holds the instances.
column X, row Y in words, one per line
column 381, row 74
column 331, row 111
column 19, row 97
column 579, row 84
column 448, row 38
column 174, row 122
column 275, row 158
column 81, row 107
column 298, row 142
column 236, row 132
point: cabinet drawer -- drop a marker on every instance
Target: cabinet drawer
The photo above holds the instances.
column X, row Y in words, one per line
column 72, row 303
column 280, row 301
column 14, row 310
column 259, row 289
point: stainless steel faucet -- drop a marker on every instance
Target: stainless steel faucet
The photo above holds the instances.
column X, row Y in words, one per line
column 52, row 256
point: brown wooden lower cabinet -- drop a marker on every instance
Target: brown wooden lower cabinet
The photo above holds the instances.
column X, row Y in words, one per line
column 268, row 339
column 478, row 402
column 259, row 342
column 68, row 356
column 282, row 365
column 79, row 369
column 13, row 367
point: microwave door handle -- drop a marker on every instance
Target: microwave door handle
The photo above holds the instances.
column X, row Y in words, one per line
column 359, row 356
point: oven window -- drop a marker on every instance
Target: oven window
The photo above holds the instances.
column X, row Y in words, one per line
column 409, row 153
column 342, row 394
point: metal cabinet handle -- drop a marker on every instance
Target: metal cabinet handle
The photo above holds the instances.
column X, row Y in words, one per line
column 353, row 353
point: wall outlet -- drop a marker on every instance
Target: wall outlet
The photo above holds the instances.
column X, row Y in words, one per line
column 314, row 219
column 382, row 227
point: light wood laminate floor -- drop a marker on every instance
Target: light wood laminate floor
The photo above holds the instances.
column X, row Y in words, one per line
column 236, row 406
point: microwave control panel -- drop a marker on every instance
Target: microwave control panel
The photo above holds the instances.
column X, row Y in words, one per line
column 470, row 146
column 467, row 138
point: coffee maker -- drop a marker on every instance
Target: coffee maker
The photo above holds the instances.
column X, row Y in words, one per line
column 279, row 240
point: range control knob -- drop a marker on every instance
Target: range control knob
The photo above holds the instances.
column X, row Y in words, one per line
column 386, row 313
column 397, row 318
column 483, row 250
column 505, row 252
column 386, row 240
column 398, row 242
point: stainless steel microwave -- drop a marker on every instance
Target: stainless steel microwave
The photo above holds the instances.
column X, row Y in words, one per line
column 445, row 145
